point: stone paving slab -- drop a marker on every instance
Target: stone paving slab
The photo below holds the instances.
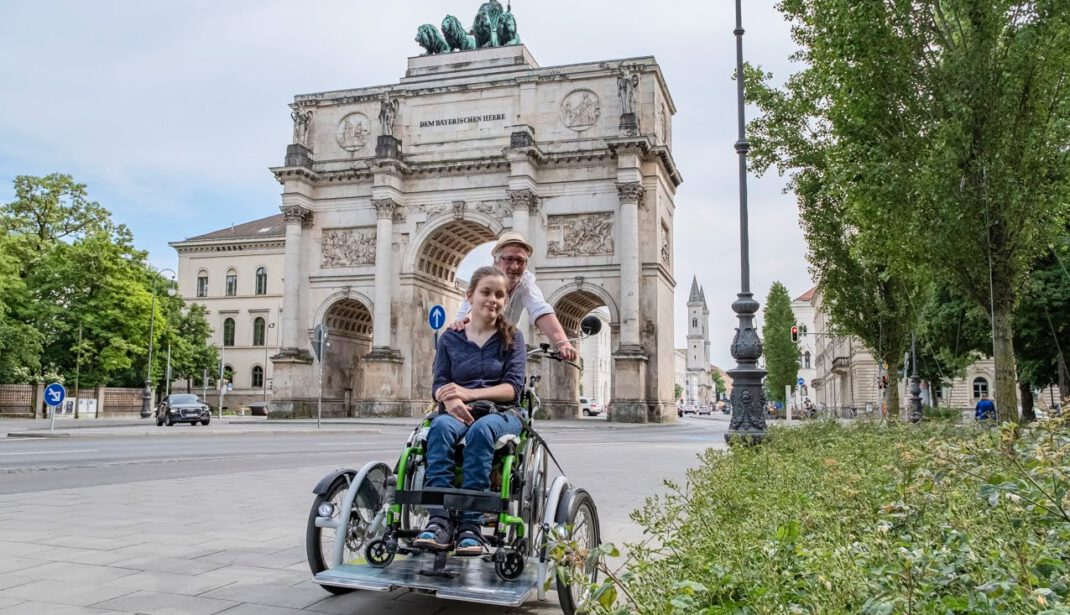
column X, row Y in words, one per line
column 37, row 608
column 71, row 593
column 171, row 583
column 159, row 603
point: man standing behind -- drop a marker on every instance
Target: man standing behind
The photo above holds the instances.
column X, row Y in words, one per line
column 985, row 409
column 511, row 255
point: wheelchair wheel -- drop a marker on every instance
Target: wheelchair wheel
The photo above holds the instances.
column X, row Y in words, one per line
column 414, row 517
column 581, row 524
column 533, row 498
column 369, row 500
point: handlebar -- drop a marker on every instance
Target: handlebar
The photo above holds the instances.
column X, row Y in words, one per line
column 544, row 349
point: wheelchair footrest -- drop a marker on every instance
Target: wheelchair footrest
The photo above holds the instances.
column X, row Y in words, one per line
column 457, row 499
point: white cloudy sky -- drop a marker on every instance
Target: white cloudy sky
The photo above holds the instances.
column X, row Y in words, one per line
column 172, row 112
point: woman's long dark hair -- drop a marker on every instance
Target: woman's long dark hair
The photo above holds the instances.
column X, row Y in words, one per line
column 506, row 330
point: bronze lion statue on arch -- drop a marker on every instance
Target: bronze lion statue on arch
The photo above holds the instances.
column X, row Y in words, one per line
column 428, row 37
column 485, row 27
column 507, row 30
column 457, row 38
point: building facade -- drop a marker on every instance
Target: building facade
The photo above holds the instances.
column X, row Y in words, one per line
column 386, row 189
column 236, row 273
column 803, row 310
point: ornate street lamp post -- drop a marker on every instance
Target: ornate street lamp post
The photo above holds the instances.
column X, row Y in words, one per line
column 146, row 401
column 748, row 399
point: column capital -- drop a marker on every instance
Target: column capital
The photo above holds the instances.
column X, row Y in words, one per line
column 630, row 192
column 296, row 214
column 524, row 198
column 384, row 208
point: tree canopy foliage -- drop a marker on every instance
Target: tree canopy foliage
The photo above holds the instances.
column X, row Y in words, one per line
column 77, row 296
column 926, row 141
column 781, row 354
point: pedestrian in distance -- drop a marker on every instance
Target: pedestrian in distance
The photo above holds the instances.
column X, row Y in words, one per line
column 511, row 255
column 985, row 409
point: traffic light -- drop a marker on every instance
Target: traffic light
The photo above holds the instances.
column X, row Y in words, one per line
column 794, row 333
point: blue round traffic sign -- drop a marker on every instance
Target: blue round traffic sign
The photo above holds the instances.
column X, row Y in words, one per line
column 801, row 381
column 436, row 317
column 55, row 394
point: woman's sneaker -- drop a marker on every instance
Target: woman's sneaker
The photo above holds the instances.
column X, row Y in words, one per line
column 436, row 536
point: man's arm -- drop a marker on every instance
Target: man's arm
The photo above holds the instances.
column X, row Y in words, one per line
column 542, row 314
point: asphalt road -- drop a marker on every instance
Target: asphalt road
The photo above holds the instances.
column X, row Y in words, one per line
column 211, row 520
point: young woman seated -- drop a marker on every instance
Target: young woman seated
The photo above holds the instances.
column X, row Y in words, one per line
column 484, row 361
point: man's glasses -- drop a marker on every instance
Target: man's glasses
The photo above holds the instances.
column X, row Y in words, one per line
column 515, row 260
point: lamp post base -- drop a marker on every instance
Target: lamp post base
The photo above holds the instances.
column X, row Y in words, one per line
column 748, row 396
column 146, row 401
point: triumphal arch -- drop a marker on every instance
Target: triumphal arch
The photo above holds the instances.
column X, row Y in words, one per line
column 387, row 188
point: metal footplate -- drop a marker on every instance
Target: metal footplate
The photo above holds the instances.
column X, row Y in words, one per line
column 475, row 580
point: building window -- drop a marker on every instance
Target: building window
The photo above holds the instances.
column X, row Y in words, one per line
column 202, row 284
column 261, row 281
column 258, row 331
column 228, row 332
column 232, row 283
column 694, row 323
column 806, row 360
column 980, row 388
column 258, row 376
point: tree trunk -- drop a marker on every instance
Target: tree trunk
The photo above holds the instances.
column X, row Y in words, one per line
column 893, row 389
column 1006, row 372
column 1026, row 389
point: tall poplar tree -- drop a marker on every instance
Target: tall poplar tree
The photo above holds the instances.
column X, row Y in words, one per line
column 781, row 354
column 941, row 125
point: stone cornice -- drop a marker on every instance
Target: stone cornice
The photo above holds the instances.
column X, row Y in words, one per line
column 665, row 158
column 228, row 245
column 286, row 173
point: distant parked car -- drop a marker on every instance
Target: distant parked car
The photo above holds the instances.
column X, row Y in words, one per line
column 590, row 407
column 182, row 408
column 705, row 409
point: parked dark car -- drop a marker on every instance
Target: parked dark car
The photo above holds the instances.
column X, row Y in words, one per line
column 182, row 408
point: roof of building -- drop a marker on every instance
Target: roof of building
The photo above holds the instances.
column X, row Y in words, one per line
column 808, row 295
column 272, row 226
column 696, row 292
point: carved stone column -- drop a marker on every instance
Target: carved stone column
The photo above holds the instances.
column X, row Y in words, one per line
column 523, row 203
column 631, row 194
column 384, row 234
column 297, row 218
column 630, row 360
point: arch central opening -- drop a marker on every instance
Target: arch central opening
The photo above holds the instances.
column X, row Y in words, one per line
column 349, row 325
column 440, row 258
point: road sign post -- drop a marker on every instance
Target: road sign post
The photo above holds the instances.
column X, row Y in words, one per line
column 319, row 340
column 436, row 319
column 54, row 396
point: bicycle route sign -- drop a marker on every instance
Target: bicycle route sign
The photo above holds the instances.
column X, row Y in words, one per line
column 55, row 394
column 436, row 317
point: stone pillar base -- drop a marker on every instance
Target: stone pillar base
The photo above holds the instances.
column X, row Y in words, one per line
column 392, row 407
column 298, row 156
column 381, row 384
column 629, row 386
column 292, row 380
column 559, row 409
column 662, row 412
column 388, row 147
column 629, row 124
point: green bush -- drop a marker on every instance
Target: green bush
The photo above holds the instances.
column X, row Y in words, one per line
column 869, row 518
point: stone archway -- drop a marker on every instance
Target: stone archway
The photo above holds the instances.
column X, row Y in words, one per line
column 429, row 278
column 561, row 383
column 349, row 325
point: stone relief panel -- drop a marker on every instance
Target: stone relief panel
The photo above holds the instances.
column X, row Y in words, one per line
column 348, row 247
column 580, row 234
column 666, row 245
column 580, row 110
column 352, row 133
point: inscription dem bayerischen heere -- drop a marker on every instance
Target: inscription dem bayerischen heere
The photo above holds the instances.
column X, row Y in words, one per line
column 470, row 119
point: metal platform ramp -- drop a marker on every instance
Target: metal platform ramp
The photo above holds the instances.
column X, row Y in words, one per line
column 475, row 580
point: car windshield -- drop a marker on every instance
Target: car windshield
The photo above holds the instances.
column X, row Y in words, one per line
column 183, row 399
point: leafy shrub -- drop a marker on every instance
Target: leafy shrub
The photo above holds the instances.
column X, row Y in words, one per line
column 869, row 518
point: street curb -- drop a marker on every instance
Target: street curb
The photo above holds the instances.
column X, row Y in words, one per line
column 24, row 434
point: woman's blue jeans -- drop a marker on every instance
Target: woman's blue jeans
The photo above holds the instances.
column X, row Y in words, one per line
column 442, row 439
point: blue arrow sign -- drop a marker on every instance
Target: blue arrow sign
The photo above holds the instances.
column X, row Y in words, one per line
column 801, row 381
column 55, row 394
column 436, row 317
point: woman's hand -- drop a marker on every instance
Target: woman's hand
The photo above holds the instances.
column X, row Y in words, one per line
column 456, row 391
column 458, row 410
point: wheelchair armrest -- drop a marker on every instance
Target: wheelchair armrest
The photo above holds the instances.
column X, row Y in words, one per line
column 457, row 499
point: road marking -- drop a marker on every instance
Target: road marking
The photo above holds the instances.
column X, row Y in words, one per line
column 73, row 450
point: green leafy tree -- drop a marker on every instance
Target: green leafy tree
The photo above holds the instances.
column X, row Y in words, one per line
column 718, row 383
column 942, row 123
column 781, row 354
column 20, row 343
column 191, row 351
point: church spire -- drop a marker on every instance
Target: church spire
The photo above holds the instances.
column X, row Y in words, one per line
column 696, row 292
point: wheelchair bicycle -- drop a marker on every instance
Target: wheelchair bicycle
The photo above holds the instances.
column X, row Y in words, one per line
column 362, row 524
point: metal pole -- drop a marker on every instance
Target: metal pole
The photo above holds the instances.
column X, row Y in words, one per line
column 748, row 398
column 222, row 385
column 915, row 387
column 77, row 370
column 319, row 404
column 146, row 403
column 204, row 385
column 167, row 385
column 265, row 377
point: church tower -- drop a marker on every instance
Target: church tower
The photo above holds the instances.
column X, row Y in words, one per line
column 699, row 382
